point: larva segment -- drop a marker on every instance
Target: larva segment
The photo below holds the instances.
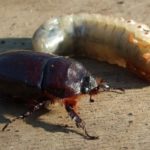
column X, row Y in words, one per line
column 143, row 68
column 114, row 40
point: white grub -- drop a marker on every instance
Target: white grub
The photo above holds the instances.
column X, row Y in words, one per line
column 114, row 40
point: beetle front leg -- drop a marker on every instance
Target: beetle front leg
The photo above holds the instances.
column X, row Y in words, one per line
column 74, row 116
column 79, row 122
column 27, row 114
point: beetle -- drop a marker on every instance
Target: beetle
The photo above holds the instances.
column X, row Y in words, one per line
column 37, row 77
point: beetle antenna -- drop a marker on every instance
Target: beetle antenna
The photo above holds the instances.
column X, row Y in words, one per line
column 104, row 87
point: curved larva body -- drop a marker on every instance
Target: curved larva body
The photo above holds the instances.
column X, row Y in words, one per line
column 125, row 43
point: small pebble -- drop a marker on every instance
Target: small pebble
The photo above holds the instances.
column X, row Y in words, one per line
column 130, row 114
column 120, row 2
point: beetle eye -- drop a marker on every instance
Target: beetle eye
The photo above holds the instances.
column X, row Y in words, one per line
column 87, row 79
column 85, row 90
column 85, row 84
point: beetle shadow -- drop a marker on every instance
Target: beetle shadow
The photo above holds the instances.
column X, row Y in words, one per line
column 50, row 127
column 7, row 44
column 8, row 107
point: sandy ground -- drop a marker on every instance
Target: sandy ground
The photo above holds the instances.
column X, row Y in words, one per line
column 120, row 120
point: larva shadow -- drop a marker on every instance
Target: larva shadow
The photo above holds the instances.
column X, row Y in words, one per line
column 7, row 44
column 115, row 76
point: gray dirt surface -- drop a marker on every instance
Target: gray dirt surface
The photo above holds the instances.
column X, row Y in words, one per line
column 121, row 121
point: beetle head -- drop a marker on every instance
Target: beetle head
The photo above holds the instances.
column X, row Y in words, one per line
column 88, row 84
column 93, row 86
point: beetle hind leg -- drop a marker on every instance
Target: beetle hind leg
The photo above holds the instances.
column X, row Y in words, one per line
column 27, row 114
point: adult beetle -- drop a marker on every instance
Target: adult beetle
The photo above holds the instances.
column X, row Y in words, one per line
column 37, row 77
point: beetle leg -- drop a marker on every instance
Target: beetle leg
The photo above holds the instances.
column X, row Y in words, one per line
column 28, row 113
column 79, row 122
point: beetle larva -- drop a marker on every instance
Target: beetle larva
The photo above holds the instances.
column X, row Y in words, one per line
column 114, row 40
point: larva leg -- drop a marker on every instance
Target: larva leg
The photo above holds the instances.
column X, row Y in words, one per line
column 27, row 114
column 70, row 106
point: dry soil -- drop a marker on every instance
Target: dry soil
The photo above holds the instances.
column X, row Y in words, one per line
column 120, row 120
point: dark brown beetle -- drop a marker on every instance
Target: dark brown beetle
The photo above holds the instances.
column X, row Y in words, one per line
column 38, row 76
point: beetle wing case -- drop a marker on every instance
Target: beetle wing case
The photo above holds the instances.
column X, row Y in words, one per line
column 21, row 72
column 27, row 73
